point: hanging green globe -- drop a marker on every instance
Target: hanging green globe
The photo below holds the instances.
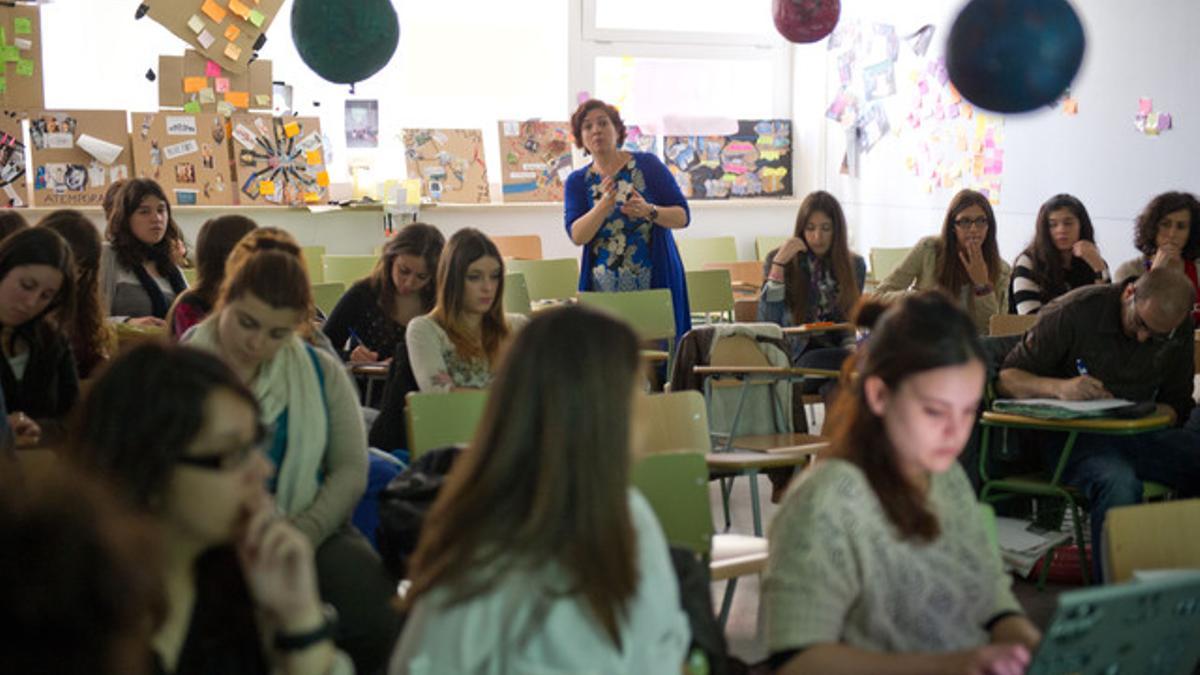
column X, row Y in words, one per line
column 345, row 41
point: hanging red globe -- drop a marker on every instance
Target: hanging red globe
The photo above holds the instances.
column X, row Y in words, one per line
column 806, row 20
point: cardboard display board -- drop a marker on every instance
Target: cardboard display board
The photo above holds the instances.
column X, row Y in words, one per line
column 195, row 83
column 279, row 160
column 754, row 162
column 449, row 163
column 222, row 30
column 188, row 155
column 14, row 182
column 535, row 157
column 21, row 57
column 66, row 175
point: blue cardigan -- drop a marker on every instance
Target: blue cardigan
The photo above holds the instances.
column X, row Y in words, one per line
column 661, row 190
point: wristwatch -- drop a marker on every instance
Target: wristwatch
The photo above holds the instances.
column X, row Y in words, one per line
column 294, row 642
column 653, row 213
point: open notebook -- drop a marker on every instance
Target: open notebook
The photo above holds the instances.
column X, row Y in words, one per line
column 1057, row 409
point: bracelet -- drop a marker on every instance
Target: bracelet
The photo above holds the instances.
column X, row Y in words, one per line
column 294, row 642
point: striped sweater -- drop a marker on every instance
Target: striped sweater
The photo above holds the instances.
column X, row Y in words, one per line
column 1027, row 296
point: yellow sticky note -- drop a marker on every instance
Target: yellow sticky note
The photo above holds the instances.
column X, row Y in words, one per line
column 256, row 17
column 196, row 23
column 239, row 9
column 312, row 157
column 291, row 129
column 207, row 95
column 323, row 179
column 239, row 99
column 311, row 197
column 213, row 10
column 263, row 100
column 192, row 85
column 232, row 33
column 266, row 187
column 233, row 51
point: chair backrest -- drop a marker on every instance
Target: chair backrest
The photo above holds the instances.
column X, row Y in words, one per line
column 710, row 291
column 737, row 350
column 746, row 274
column 696, row 251
column 1151, row 536
column 327, row 294
column 884, row 260
column 190, row 274
column 314, row 260
column 677, row 421
column 676, row 486
column 519, row 247
column 1010, row 324
column 516, row 294
column 764, row 245
column 553, row 279
column 651, row 313
column 348, row 268
column 436, row 420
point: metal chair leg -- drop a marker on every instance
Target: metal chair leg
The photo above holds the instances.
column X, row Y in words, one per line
column 727, row 602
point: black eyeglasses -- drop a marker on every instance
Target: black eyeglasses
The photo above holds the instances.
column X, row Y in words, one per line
column 1139, row 325
column 965, row 223
column 230, row 459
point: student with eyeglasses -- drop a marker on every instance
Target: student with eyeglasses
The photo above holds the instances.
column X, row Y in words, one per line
column 1132, row 341
column 239, row 578
column 317, row 440
column 964, row 261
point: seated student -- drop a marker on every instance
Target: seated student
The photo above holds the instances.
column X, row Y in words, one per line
column 93, row 341
column 1062, row 256
column 456, row 346
column 110, row 197
column 536, row 546
column 1167, row 232
column 317, row 442
column 814, row 277
column 879, row 558
column 241, row 592
column 218, row 236
column 11, row 222
column 374, row 311
column 37, row 294
column 77, row 596
column 964, row 261
column 139, row 266
column 1131, row 341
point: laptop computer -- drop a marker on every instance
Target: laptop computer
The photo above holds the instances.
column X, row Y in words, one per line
column 1142, row 627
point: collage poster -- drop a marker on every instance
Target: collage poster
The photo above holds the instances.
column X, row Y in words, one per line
column 188, row 155
column 754, row 162
column 76, row 154
column 278, row 161
column 535, row 157
column 449, row 163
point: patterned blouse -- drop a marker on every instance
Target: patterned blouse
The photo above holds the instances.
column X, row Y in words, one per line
column 437, row 365
column 621, row 249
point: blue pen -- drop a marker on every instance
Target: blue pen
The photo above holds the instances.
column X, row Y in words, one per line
column 355, row 338
column 1080, row 367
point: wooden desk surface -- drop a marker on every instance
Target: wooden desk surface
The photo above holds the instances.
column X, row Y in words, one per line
column 1163, row 416
column 782, row 371
column 369, row 369
column 818, row 328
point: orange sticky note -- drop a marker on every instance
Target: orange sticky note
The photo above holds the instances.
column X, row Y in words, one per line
column 311, row 197
column 213, row 10
column 239, row 9
column 266, row 187
column 313, row 157
column 291, row 129
column 323, row 179
column 192, row 85
column 233, row 51
column 239, row 99
column 232, row 33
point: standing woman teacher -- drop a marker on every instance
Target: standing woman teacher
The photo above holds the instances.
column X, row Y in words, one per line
column 621, row 209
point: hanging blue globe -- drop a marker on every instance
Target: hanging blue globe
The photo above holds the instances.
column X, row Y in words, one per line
column 1014, row 55
column 345, row 41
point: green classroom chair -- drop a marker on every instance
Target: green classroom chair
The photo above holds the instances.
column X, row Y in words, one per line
column 519, row 246
column 885, row 260
column 436, row 420
column 348, row 268
column 650, row 313
column 698, row 251
column 764, row 245
column 553, row 279
column 314, row 260
column 516, row 294
column 710, row 292
column 189, row 275
column 676, row 486
column 326, row 295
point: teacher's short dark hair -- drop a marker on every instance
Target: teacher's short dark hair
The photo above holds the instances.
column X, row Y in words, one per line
column 586, row 107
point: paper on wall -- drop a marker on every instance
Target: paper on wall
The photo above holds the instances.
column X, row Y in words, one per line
column 104, row 151
column 180, row 149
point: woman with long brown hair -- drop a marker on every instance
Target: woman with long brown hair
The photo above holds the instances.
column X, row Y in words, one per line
column 964, row 261
column 1062, row 256
column 217, row 239
column 812, row 278
column 879, row 558
column 93, row 341
column 457, row 345
column 139, row 268
column 536, row 547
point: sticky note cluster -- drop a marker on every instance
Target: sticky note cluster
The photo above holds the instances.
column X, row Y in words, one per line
column 227, row 16
column 1149, row 121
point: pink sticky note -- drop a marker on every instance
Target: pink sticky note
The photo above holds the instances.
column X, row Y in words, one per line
column 211, row 69
column 222, row 85
column 582, row 96
column 1145, row 105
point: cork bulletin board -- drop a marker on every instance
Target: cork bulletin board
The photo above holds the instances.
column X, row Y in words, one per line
column 64, row 173
column 188, row 155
